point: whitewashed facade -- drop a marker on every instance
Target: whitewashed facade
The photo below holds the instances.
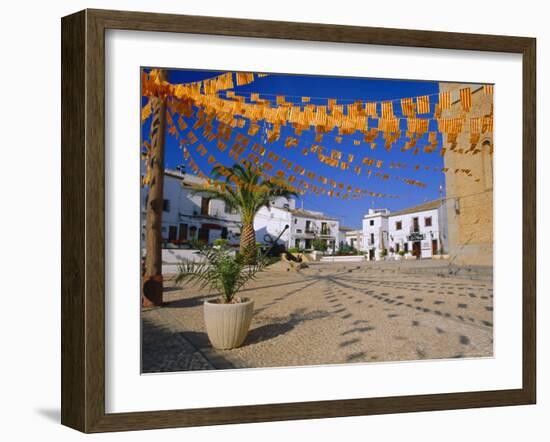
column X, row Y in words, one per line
column 420, row 230
column 189, row 216
column 354, row 238
column 375, row 232
column 303, row 226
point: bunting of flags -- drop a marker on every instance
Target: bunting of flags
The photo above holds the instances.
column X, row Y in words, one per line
column 216, row 102
column 348, row 119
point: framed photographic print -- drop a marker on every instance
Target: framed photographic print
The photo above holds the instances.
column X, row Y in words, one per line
column 267, row 221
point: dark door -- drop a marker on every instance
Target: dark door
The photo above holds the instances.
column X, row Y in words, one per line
column 204, row 235
column 434, row 246
column 183, row 232
column 371, row 254
column 172, row 233
column 416, row 249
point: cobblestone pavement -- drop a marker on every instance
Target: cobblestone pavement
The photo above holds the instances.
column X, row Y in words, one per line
column 331, row 314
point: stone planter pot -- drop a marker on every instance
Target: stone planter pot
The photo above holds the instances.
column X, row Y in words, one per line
column 227, row 324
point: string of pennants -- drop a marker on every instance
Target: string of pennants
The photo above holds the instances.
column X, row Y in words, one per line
column 348, row 119
column 233, row 111
column 302, row 188
column 336, row 158
column 298, row 184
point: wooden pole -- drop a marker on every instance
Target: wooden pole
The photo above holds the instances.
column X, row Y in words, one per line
column 152, row 284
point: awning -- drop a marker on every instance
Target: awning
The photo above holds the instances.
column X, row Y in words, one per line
column 211, row 226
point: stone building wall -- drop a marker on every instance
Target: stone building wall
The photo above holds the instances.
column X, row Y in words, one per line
column 469, row 199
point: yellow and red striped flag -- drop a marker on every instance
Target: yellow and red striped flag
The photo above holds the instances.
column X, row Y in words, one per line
column 387, row 109
column 423, row 104
column 487, row 124
column 488, row 89
column 445, row 100
column 408, row 108
column 466, row 99
column 475, row 125
column 370, row 109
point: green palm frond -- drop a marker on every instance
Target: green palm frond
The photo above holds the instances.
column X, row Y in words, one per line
column 219, row 272
column 246, row 200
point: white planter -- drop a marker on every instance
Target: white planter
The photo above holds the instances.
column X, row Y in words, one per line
column 227, row 324
column 316, row 255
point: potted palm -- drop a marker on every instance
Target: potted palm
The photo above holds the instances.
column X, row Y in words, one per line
column 227, row 317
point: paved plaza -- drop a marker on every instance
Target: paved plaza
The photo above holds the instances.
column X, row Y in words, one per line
column 333, row 314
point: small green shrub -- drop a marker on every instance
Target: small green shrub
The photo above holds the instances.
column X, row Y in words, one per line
column 221, row 242
column 319, row 245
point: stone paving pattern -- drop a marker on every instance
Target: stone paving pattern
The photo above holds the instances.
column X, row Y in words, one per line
column 331, row 314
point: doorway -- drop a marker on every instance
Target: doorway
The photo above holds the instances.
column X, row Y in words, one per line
column 416, row 249
column 434, row 246
column 172, row 233
column 183, row 232
column 204, row 235
column 371, row 254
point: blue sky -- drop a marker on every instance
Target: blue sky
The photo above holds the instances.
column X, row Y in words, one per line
column 350, row 212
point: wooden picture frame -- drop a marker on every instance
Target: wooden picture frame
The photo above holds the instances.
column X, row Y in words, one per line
column 83, row 220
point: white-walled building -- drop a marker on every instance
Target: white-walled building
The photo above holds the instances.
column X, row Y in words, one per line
column 353, row 238
column 303, row 226
column 375, row 232
column 420, row 230
column 189, row 216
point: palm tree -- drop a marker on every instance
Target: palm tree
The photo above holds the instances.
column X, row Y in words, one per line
column 247, row 191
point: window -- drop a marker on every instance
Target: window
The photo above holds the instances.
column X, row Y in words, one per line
column 308, row 227
column 297, row 243
column 416, row 226
column 398, row 225
column 371, row 222
column 205, row 203
column 428, row 221
column 183, row 232
column 372, row 238
column 295, row 220
column 166, row 205
column 227, row 208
